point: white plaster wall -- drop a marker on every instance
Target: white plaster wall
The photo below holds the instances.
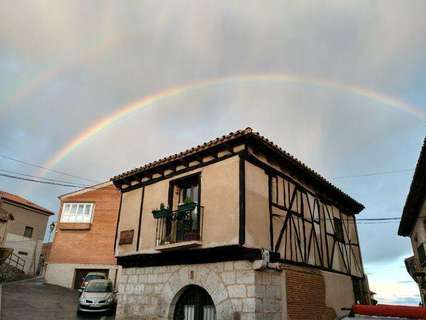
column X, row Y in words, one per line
column 339, row 292
column 30, row 246
column 62, row 274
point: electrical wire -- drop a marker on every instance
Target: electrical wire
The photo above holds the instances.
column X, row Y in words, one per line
column 40, row 181
column 41, row 167
column 378, row 173
column 39, row 177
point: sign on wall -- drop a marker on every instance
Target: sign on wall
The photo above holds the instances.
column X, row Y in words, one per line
column 126, row 237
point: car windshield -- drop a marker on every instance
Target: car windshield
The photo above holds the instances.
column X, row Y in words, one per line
column 99, row 287
column 93, row 277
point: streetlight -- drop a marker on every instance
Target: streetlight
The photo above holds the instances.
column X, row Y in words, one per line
column 51, row 228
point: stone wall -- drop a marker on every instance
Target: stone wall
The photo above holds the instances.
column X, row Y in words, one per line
column 240, row 290
column 237, row 290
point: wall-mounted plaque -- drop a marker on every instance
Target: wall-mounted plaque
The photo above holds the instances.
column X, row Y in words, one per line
column 126, row 237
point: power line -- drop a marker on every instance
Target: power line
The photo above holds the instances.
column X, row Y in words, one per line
column 40, row 181
column 41, row 167
column 358, row 221
column 378, row 173
column 39, row 177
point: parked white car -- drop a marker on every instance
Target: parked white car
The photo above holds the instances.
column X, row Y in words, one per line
column 98, row 296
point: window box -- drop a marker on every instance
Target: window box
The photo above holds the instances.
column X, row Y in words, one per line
column 74, row 226
column 187, row 206
column 162, row 212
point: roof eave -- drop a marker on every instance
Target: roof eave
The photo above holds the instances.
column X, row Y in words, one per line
column 415, row 197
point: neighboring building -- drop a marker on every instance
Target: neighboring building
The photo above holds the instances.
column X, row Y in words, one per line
column 413, row 224
column 5, row 217
column 236, row 228
column 84, row 237
column 25, row 232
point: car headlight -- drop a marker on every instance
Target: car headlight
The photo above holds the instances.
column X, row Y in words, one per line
column 110, row 299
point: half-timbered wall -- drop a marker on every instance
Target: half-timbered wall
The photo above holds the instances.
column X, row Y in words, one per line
column 302, row 227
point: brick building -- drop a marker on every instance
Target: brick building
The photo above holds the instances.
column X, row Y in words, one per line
column 84, row 236
column 235, row 228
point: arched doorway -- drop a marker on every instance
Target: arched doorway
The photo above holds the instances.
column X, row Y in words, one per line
column 194, row 304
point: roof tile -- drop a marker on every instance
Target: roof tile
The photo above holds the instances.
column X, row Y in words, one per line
column 23, row 201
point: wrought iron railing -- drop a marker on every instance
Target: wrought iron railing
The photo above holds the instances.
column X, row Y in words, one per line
column 179, row 226
column 16, row 261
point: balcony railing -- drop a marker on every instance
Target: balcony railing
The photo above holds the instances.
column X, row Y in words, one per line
column 179, row 226
column 16, row 261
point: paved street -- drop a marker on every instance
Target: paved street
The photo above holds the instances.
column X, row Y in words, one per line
column 35, row 300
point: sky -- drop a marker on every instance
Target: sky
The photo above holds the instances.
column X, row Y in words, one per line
column 96, row 88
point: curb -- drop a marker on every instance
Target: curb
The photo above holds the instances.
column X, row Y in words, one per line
column 18, row 281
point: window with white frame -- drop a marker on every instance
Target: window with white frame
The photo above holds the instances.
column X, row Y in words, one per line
column 77, row 212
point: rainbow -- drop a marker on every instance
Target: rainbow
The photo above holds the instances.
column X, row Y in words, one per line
column 127, row 109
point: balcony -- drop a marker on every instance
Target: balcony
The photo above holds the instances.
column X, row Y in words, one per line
column 179, row 229
column 412, row 266
column 416, row 272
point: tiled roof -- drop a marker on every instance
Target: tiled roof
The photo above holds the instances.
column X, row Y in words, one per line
column 416, row 195
column 19, row 200
column 245, row 133
column 183, row 154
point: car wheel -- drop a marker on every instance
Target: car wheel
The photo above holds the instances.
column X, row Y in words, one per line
column 111, row 311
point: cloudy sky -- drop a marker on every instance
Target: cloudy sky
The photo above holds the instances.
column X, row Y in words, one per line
column 339, row 84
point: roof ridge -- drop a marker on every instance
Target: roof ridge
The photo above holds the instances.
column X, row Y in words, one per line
column 205, row 145
column 247, row 132
column 23, row 201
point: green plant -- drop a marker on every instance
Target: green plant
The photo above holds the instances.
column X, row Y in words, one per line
column 163, row 212
column 185, row 208
column 188, row 200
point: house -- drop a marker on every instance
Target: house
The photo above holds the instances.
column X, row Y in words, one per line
column 5, row 217
column 236, row 228
column 24, row 230
column 413, row 222
column 84, row 236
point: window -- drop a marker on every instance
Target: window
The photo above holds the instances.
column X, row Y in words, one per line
column 338, row 230
column 185, row 222
column 186, row 189
column 28, row 233
column 77, row 212
column 195, row 304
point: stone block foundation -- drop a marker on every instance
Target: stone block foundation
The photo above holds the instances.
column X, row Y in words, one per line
column 240, row 290
column 237, row 290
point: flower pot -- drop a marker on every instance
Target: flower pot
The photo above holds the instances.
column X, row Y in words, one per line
column 187, row 206
column 162, row 213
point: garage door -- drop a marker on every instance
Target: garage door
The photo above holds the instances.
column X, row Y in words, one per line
column 79, row 274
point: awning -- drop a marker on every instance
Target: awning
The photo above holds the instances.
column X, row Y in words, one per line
column 386, row 310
